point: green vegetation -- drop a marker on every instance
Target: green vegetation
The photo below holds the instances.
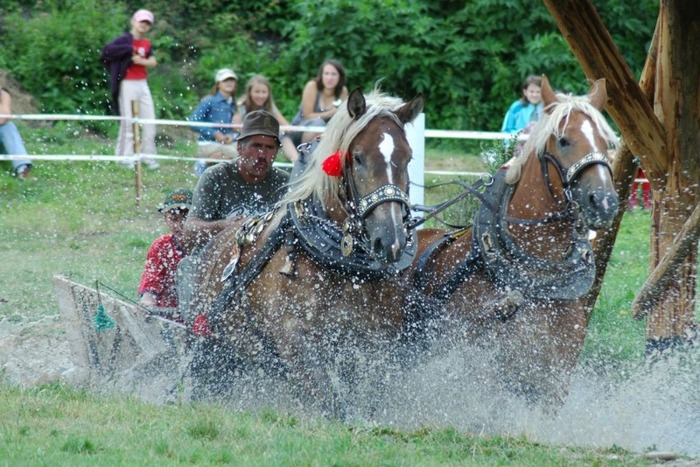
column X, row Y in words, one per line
column 54, row 425
column 468, row 58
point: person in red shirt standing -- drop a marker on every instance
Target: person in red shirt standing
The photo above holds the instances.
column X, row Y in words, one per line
column 157, row 288
column 127, row 59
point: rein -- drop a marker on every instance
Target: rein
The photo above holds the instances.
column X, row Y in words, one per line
column 469, row 189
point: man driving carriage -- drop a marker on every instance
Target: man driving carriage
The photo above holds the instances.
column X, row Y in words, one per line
column 227, row 191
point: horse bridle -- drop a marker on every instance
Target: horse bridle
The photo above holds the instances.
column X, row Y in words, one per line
column 569, row 175
column 359, row 207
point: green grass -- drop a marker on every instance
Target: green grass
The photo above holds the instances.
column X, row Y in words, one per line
column 54, row 425
column 81, row 219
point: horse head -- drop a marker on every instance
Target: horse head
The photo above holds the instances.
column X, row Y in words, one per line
column 376, row 171
column 574, row 138
column 359, row 174
column 580, row 145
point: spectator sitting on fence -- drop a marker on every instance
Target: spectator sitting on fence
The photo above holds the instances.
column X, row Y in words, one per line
column 157, row 287
column 320, row 100
column 11, row 141
column 528, row 109
column 258, row 96
column 219, row 106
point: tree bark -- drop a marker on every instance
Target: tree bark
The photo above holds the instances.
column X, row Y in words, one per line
column 624, row 171
column 676, row 103
column 666, row 137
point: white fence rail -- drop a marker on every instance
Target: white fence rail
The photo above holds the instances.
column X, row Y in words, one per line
column 416, row 132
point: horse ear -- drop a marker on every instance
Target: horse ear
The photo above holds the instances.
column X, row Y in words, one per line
column 598, row 94
column 548, row 95
column 356, row 104
column 408, row 112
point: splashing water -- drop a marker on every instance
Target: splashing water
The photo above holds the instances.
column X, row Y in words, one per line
column 654, row 407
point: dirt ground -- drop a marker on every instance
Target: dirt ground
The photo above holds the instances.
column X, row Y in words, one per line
column 22, row 103
column 34, row 353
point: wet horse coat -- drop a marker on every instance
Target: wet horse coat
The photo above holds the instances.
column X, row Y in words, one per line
column 316, row 282
column 514, row 283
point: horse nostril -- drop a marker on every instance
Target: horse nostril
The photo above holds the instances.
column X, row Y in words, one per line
column 387, row 251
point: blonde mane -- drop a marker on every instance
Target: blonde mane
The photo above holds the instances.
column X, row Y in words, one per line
column 548, row 125
column 339, row 133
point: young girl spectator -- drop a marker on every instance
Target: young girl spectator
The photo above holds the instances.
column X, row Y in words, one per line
column 127, row 58
column 218, row 106
column 320, row 100
column 258, row 96
column 528, row 109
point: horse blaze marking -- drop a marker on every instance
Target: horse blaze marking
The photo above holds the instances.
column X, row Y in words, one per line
column 587, row 130
column 386, row 147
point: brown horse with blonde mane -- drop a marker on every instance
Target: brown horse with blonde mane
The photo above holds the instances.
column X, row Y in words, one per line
column 308, row 291
column 514, row 282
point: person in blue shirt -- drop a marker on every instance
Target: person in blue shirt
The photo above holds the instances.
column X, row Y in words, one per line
column 219, row 106
column 11, row 141
column 528, row 109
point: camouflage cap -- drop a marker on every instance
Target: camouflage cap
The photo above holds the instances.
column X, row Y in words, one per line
column 177, row 199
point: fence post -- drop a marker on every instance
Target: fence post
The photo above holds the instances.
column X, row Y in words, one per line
column 137, row 151
column 415, row 133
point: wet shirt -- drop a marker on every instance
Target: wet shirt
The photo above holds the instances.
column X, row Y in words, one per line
column 159, row 273
column 221, row 192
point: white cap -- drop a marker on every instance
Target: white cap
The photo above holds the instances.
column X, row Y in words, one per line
column 225, row 73
column 143, row 15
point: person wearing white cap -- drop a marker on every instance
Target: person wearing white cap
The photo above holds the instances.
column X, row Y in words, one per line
column 127, row 59
column 219, row 106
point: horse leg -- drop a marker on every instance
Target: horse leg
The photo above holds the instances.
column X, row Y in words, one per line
column 539, row 350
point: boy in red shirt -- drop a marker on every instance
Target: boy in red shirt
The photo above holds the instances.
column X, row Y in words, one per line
column 157, row 287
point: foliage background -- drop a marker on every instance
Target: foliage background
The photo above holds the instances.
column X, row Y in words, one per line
column 469, row 58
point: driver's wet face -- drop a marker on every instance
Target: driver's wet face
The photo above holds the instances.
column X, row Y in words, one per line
column 257, row 153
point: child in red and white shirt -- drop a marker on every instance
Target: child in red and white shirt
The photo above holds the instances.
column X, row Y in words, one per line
column 157, row 287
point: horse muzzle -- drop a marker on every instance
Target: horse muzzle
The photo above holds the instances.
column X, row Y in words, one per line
column 599, row 208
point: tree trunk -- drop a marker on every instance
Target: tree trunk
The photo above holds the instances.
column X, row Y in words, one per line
column 678, row 108
column 665, row 136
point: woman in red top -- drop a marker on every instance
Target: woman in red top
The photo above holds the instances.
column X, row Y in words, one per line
column 127, row 58
column 157, row 287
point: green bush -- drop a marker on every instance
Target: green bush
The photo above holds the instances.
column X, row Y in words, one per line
column 468, row 59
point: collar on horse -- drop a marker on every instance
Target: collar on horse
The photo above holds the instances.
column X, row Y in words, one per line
column 346, row 249
column 513, row 267
column 510, row 266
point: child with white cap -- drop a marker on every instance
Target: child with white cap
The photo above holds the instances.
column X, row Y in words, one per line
column 219, row 106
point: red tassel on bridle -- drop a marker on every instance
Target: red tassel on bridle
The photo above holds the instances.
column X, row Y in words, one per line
column 333, row 164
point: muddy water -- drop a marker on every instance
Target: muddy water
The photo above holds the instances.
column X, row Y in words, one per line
column 655, row 407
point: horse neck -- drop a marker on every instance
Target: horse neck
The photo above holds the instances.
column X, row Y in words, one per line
column 335, row 210
column 533, row 201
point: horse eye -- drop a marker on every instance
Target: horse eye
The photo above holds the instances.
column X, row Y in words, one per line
column 358, row 158
column 563, row 142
